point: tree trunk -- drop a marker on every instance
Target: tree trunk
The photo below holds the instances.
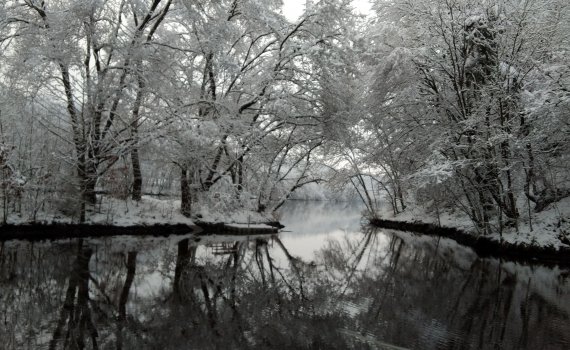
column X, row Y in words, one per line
column 185, row 195
column 401, row 197
column 88, row 180
column 210, row 178
column 182, row 260
column 89, row 195
column 240, row 175
column 78, row 284
column 131, row 270
column 137, row 175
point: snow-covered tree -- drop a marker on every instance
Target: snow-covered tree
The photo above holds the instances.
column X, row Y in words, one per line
column 469, row 121
column 85, row 57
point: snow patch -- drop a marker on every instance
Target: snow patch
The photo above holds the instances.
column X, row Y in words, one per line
column 548, row 226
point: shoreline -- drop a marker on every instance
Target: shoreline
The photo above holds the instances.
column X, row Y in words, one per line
column 57, row 231
column 484, row 246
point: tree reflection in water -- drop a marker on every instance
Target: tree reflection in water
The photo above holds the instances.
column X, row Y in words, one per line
column 367, row 290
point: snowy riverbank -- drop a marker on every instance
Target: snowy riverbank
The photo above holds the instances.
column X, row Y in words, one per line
column 149, row 216
column 146, row 212
column 548, row 239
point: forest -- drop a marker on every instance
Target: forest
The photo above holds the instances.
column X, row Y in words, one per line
column 150, row 148
column 453, row 106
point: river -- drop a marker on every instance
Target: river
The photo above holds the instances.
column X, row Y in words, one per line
column 325, row 282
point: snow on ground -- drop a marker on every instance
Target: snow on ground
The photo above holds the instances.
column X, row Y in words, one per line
column 414, row 213
column 117, row 212
column 547, row 226
column 255, row 226
column 148, row 211
column 238, row 216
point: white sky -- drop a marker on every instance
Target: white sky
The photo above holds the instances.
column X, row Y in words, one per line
column 292, row 9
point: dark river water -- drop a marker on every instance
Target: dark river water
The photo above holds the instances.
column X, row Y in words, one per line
column 326, row 282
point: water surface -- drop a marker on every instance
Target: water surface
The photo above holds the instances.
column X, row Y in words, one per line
column 326, row 282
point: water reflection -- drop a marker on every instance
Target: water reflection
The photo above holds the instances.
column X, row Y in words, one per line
column 359, row 289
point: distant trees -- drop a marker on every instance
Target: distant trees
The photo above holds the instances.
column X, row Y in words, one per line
column 30, row 158
column 250, row 124
column 9, row 181
column 246, row 60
